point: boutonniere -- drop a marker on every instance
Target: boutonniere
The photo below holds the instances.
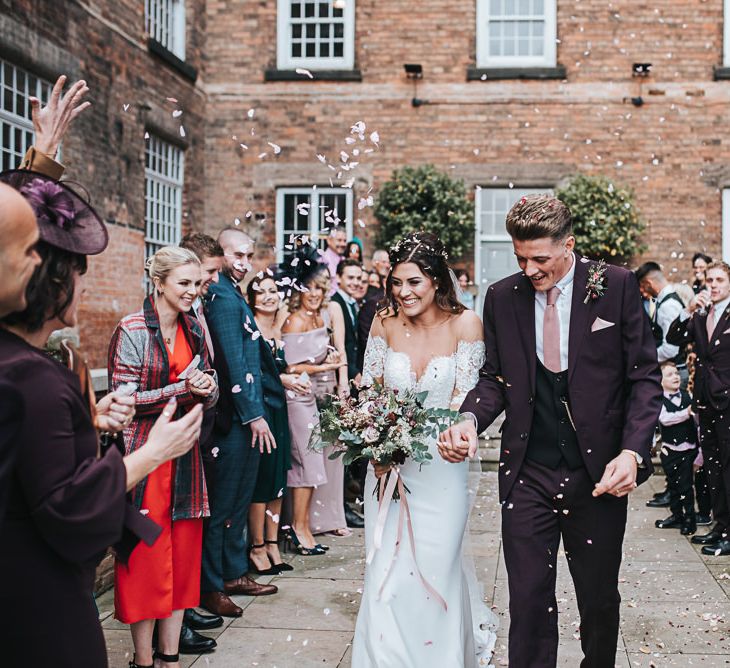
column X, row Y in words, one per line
column 596, row 284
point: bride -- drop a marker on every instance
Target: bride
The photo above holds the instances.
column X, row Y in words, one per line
column 421, row 606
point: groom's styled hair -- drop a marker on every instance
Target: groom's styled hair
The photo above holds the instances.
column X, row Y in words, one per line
column 538, row 217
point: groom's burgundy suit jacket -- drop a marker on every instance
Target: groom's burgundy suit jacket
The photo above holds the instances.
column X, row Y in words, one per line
column 613, row 376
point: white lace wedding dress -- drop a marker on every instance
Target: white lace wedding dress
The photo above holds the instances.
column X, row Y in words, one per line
column 404, row 626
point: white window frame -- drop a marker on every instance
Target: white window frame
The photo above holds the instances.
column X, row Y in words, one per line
column 549, row 57
column 479, row 237
column 164, row 21
column 726, row 34
column 17, row 115
column 314, row 231
column 163, row 194
column 284, row 59
column 726, row 224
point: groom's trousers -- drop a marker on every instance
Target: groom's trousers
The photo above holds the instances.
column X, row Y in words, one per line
column 544, row 505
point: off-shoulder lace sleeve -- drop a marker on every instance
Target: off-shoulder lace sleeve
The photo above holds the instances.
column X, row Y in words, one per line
column 374, row 362
column 470, row 356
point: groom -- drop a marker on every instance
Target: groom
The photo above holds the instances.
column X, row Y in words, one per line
column 571, row 360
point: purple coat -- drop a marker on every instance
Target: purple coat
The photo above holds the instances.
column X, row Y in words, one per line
column 614, row 380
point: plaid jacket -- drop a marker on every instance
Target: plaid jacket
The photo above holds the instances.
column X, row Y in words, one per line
column 231, row 322
column 137, row 354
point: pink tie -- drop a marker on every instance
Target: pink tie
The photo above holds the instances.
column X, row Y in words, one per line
column 206, row 331
column 710, row 322
column 551, row 332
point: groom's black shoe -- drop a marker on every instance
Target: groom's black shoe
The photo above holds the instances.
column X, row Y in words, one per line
column 671, row 522
column 719, row 549
column 354, row 521
column 711, row 537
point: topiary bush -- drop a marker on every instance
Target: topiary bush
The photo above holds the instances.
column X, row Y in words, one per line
column 425, row 199
column 607, row 223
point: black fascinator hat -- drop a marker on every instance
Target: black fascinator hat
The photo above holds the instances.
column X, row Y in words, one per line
column 303, row 263
column 65, row 219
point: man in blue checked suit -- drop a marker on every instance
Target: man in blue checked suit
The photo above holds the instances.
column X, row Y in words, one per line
column 232, row 326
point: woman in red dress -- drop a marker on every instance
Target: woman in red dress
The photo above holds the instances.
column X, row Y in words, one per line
column 156, row 348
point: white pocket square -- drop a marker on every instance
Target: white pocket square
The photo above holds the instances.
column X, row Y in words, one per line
column 600, row 323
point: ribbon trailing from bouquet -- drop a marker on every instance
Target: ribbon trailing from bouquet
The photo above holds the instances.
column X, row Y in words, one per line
column 404, row 517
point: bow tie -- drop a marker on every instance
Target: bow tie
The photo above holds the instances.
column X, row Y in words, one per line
column 675, row 395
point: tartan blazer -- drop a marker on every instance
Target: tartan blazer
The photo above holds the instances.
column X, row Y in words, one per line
column 232, row 324
column 137, row 354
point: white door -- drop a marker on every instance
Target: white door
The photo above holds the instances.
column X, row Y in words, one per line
column 494, row 257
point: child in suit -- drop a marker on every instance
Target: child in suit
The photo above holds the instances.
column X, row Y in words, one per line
column 678, row 451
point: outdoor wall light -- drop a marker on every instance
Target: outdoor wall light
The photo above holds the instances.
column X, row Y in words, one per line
column 413, row 70
column 641, row 69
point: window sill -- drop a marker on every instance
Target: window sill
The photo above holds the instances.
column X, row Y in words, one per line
column 721, row 73
column 317, row 75
column 163, row 53
column 501, row 73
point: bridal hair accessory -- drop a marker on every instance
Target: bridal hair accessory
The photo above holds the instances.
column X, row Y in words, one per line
column 65, row 219
column 596, row 284
column 406, row 248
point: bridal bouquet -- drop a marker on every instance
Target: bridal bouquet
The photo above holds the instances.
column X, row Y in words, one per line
column 385, row 425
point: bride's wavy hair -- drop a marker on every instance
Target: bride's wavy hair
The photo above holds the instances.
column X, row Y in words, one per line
column 428, row 253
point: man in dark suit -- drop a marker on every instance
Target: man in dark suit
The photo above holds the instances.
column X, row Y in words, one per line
column 706, row 324
column 232, row 325
column 348, row 284
column 349, row 273
column 571, row 359
column 18, row 260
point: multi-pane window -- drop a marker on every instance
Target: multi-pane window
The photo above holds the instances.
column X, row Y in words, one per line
column 165, row 23
column 310, row 211
column 494, row 255
column 514, row 33
column 316, row 34
column 164, row 176
column 16, row 127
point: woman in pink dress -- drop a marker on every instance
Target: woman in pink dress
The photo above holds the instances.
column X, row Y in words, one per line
column 314, row 340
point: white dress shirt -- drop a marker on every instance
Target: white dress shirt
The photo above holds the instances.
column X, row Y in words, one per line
column 665, row 315
column 563, row 305
column 670, row 418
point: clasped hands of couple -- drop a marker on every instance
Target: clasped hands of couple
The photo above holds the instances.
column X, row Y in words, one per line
column 460, row 441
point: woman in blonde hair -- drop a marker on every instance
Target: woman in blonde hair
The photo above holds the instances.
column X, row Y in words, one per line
column 162, row 350
column 314, row 340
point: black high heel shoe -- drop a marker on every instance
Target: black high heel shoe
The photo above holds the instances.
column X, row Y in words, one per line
column 282, row 566
column 293, row 541
column 133, row 664
column 273, row 570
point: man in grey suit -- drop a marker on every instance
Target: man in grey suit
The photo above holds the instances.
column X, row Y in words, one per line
column 232, row 326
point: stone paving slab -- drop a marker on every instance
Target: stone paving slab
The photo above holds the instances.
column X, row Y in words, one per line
column 676, row 602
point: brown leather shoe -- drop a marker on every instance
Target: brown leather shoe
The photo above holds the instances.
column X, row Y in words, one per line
column 219, row 604
column 247, row 587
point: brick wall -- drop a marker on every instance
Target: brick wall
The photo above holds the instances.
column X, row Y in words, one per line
column 671, row 151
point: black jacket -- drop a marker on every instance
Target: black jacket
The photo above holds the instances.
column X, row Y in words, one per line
column 352, row 345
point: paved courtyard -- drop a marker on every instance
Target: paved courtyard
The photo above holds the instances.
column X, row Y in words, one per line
column 676, row 607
